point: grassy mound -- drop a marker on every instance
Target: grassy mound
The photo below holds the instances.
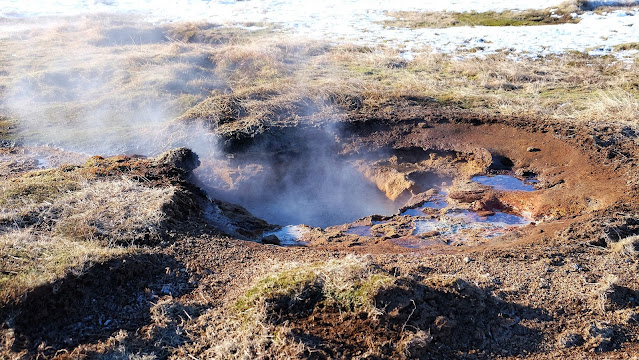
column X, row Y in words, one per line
column 57, row 220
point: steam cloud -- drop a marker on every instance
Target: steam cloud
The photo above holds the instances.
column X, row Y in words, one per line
column 299, row 178
column 95, row 86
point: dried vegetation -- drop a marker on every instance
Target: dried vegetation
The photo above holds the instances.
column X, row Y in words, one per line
column 564, row 13
column 56, row 221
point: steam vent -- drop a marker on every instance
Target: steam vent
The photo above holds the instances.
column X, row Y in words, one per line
column 343, row 180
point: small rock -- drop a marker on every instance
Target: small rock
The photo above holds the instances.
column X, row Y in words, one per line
column 533, row 149
column 182, row 158
column 430, row 233
column 569, row 340
column 271, row 239
column 544, row 284
column 485, row 213
column 467, row 259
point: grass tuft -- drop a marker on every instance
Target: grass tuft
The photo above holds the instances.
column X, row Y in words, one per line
column 348, row 283
column 115, row 212
column 35, row 187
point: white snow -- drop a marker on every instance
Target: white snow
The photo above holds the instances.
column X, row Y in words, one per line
column 290, row 235
column 358, row 21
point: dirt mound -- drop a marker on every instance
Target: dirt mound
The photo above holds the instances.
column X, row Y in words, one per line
column 122, row 200
column 190, row 210
column 91, row 305
column 432, row 319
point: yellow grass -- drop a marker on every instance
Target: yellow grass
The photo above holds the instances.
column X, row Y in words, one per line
column 30, row 259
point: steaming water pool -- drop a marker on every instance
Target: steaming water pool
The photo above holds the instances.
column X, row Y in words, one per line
column 505, row 183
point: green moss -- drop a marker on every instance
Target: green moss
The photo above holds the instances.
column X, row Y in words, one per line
column 285, row 283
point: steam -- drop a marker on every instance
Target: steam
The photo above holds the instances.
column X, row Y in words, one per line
column 96, row 86
column 297, row 177
column 113, row 86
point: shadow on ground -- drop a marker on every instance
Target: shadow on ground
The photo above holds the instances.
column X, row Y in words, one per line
column 425, row 321
column 89, row 307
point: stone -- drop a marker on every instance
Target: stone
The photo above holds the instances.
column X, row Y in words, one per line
column 533, row 149
column 485, row 213
column 271, row 239
column 181, row 158
column 569, row 340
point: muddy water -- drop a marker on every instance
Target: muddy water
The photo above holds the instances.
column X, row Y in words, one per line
column 457, row 222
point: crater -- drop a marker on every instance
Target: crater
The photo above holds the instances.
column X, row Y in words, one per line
column 412, row 186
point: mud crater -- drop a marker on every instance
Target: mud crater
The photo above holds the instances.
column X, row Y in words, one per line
column 413, row 187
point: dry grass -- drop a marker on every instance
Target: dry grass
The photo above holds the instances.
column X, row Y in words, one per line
column 72, row 83
column 31, row 258
column 570, row 87
column 254, row 326
column 54, row 222
column 560, row 14
column 115, row 212
column 628, row 246
column 236, row 81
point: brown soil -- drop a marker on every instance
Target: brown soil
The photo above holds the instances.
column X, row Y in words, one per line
column 557, row 288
